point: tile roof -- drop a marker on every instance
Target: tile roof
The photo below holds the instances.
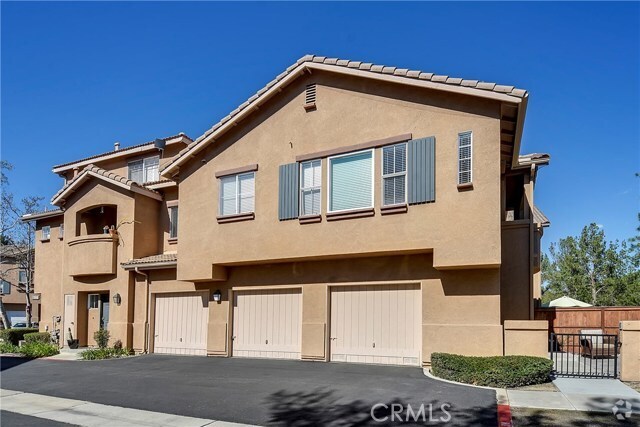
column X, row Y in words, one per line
column 122, row 150
column 107, row 175
column 534, row 158
column 356, row 65
column 47, row 213
column 153, row 259
column 540, row 218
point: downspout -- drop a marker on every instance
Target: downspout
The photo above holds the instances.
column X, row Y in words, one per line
column 147, row 319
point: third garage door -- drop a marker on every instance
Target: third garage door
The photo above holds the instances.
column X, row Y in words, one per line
column 376, row 324
column 266, row 323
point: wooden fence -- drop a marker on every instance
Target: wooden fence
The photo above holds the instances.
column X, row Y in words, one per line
column 572, row 320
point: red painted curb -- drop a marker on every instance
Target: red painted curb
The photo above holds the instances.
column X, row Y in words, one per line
column 504, row 416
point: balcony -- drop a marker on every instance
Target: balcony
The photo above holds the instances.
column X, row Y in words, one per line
column 92, row 255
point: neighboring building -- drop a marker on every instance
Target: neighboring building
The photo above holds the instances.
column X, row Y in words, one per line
column 347, row 212
column 13, row 281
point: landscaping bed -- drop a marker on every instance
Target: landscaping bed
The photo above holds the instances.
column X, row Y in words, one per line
column 104, row 351
column 37, row 344
column 495, row 371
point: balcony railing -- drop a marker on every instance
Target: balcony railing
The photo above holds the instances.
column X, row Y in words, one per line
column 92, row 255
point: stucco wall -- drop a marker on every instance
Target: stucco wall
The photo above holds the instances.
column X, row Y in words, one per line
column 48, row 273
column 462, row 228
column 515, row 272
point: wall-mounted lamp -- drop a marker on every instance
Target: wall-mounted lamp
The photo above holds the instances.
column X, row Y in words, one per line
column 117, row 299
column 217, row 296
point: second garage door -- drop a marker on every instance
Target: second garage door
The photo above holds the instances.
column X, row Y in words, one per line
column 181, row 324
column 376, row 324
column 266, row 323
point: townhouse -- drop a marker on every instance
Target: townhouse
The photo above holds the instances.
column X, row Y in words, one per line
column 345, row 212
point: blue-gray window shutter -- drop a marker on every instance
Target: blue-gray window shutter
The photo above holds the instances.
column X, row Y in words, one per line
column 288, row 191
column 421, row 171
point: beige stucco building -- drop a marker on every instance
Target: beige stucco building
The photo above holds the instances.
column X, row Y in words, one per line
column 346, row 212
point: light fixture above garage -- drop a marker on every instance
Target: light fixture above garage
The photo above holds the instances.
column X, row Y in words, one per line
column 217, row 296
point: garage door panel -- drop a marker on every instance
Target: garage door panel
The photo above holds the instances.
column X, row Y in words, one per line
column 267, row 323
column 376, row 324
column 181, row 324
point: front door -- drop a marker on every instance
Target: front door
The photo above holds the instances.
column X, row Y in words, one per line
column 104, row 311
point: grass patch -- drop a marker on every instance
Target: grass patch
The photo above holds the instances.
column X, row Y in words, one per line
column 496, row 371
column 104, row 353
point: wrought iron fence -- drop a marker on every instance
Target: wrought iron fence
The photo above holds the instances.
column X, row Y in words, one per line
column 584, row 355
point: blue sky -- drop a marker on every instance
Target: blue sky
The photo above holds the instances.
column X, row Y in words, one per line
column 78, row 76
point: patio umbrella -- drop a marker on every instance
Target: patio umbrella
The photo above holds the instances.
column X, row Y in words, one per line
column 567, row 302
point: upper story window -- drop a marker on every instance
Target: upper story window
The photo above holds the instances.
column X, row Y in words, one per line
column 144, row 170
column 394, row 174
column 237, row 194
column 45, row 233
column 310, row 185
column 61, row 231
column 6, row 287
column 173, row 222
column 465, row 141
column 22, row 277
column 351, row 181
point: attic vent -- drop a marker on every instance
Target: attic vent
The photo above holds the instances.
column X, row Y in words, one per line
column 310, row 97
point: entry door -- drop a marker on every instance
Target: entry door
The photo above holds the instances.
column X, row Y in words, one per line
column 69, row 317
column 267, row 323
column 376, row 324
column 181, row 323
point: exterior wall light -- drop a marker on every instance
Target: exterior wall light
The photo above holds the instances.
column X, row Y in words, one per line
column 217, row 296
column 117, row 299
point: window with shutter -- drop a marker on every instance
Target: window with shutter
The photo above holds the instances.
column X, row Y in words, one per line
column 351, row 181
column 310, row 185
column 173, row 222
column 394, row 174
column 465, row 158
column 237, row 194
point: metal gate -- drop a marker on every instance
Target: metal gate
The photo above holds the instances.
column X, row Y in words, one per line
column 584, row 355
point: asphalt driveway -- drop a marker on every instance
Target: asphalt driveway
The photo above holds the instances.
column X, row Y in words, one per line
column 255, row 391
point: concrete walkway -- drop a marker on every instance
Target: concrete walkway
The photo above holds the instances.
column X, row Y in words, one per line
column 579, row 394
column 81, row 413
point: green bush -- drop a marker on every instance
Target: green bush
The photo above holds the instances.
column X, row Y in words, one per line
column 43, row 337
column 14, row 336
column 497, row 371
column 37, row 349
column 7, row 347
column 102, row 337
column 104, row 353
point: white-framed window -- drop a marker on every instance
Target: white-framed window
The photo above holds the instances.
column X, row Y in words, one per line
column 144, row 170
column 93, row 301
column 6, row 287
column 394, row 174
column 61, row 231
column 310, row 187
column 237, row 194
column 173, row 222
column 465, row 152
column 22, row 277
column 350, row 181
column 46, row 233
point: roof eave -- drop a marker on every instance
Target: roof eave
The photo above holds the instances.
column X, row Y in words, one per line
column 522, row 111
column 210, row 136
column 150, row 265
column 41, row 215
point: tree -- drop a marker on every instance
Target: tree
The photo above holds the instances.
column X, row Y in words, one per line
column 20, row 236
column 590, row 269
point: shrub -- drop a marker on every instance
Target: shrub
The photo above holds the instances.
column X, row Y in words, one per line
column 102, row 338
column 7, row 347
column 43, row 337
column 117, row 345
column 104, row 353
column 497, row 371
column 38, row 349
column 14, row 336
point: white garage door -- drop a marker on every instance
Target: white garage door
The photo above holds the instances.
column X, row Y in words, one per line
column 181, row 323
column 376, row 324
column 267, row 323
